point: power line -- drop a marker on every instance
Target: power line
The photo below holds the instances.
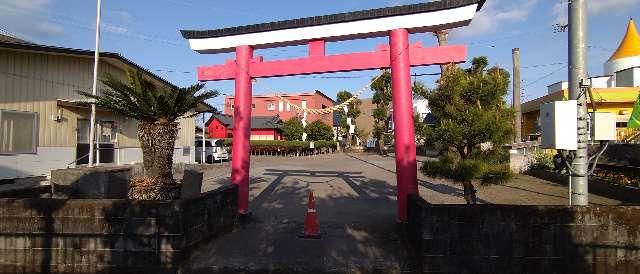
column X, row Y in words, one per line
column 545, row 76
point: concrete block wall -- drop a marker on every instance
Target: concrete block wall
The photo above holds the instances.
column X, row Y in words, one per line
column 524, row 239
column 115, row 236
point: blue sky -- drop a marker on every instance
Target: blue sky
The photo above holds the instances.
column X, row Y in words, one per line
column 147, row 32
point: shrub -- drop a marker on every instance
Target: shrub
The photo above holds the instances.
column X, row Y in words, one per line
column 492, row 156
column 468, row 170
column 292, row 129
column 497, row 175
column 319, row 131
column 288, row 147
column 542, row 161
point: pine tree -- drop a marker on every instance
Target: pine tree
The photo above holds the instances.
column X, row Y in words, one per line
column 471, row 110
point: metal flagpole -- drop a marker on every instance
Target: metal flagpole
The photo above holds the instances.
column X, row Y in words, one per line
column 203, row 159
column 96, row 56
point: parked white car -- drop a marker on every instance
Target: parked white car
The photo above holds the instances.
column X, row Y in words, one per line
column 215, row 151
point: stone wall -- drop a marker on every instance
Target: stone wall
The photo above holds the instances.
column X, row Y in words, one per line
column 524, row 239
column 115, row 236
column 93, row 182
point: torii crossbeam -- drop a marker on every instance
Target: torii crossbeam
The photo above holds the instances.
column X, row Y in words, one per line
column 395, row 22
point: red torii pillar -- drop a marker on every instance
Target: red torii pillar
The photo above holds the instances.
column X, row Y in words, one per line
column 240, row 161
column 404, row 132
column 399, row 55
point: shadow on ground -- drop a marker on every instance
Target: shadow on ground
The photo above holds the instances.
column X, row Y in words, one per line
column 356, row 216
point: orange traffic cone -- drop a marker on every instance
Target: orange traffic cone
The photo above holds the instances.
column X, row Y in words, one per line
column 311, row 227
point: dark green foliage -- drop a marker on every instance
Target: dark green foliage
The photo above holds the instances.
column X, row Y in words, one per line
column 492, row 156
column 469, row 105
column 471, row 109
column 317, row 131
column 353, row 110
column 141, row 99
column 382, row 98
column 497, row 175
column 292, row 129
column 468, row 170
column 287, row 147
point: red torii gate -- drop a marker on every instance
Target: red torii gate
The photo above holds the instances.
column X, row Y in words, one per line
column 396, row 22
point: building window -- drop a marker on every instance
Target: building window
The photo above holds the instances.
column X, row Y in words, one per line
column 324, row 106
column 280, row 106
column 19, row 132
column 253, row 106
column 232, row 106
column 271, row 106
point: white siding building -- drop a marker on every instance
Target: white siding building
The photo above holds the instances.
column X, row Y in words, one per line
column 44, row 124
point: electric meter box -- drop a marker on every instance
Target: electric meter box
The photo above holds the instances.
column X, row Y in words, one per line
column 559, row 124
column 603, row 126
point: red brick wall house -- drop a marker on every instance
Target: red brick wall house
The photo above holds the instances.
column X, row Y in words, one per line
column 262, row 127
column 270, row 105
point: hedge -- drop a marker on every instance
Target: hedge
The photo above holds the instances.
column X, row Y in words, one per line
column 288, row 148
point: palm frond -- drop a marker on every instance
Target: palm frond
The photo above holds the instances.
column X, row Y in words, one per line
column 140, row 98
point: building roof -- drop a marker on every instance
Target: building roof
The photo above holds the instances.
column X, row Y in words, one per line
column 331, row 19
column 11, row 39
column 630, row 45
column 12, row 43
column 628, row 53
column 601, row 95
column 430, row 119
column 257, row 122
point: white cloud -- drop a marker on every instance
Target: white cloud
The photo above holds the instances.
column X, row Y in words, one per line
column 112, row 28
column 497, row 13
column 594, row 7
column 116, row 21
column 28, row 19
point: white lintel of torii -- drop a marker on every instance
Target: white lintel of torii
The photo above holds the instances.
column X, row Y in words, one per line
column 359, row 29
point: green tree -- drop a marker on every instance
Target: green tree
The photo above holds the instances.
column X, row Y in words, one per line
column 157, row 110
column 292, row 129
column 471, row 110
column 353, row 112
column 382, row 98
column 319, row 131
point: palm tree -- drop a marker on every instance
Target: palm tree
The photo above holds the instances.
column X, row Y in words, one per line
column 157, row 110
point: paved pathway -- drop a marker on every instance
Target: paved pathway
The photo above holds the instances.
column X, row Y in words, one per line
column 355, row 198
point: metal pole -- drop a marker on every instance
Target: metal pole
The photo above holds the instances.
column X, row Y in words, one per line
column 517, row 137
column 96, row 56
column 405, row 141
column 99, row 132
column 577, row 73
column 204, row 144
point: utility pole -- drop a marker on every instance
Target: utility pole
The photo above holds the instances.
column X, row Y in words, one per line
column 577, row 74
column 96, row 56
column 517, row 102
column 443, row 40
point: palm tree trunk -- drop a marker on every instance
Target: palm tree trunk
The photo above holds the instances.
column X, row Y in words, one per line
column 157, row 141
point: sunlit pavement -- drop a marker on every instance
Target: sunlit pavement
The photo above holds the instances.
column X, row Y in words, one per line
column 355, row 198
